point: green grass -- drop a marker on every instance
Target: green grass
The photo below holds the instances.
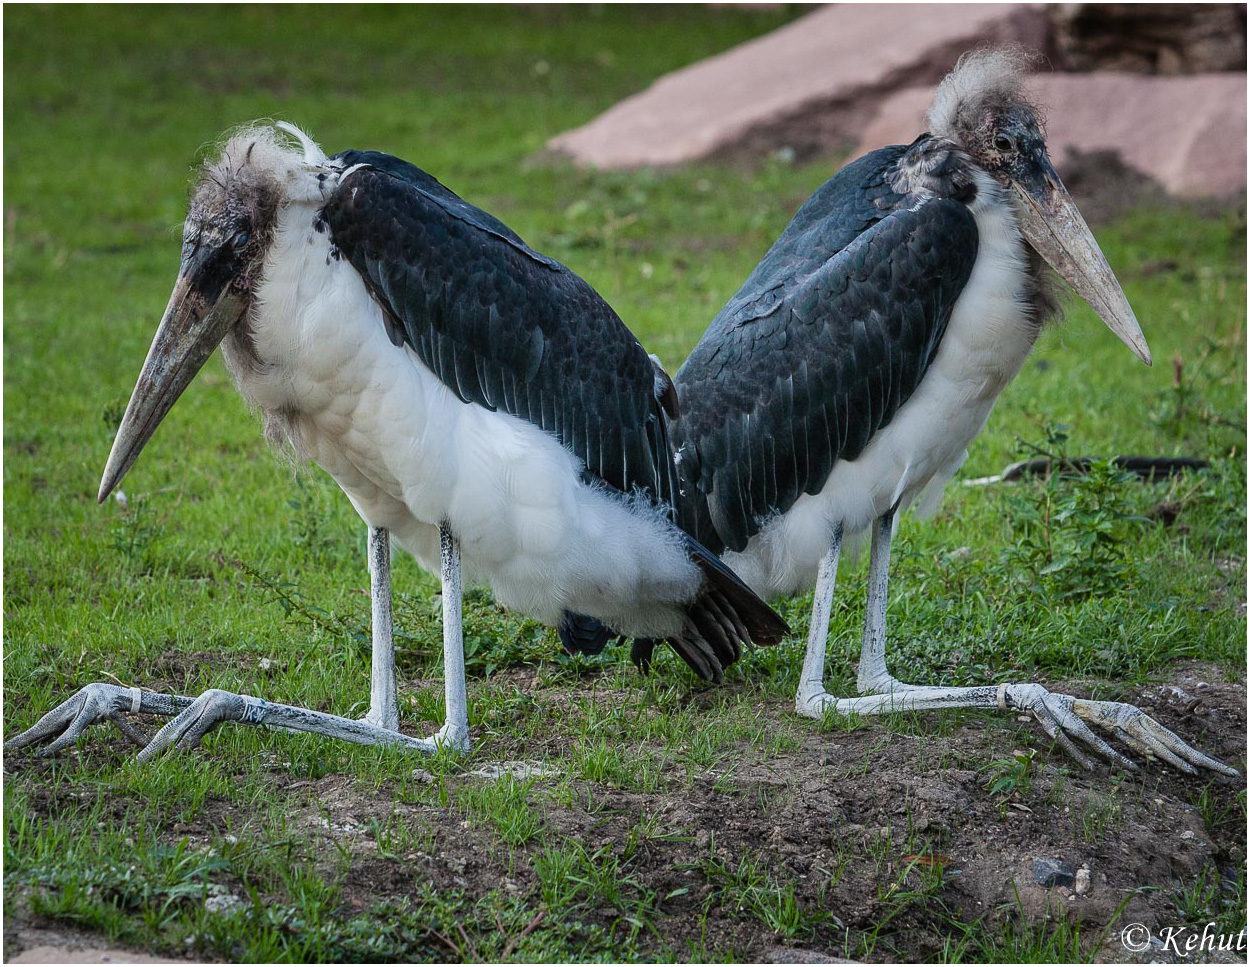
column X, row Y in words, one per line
column 226, row 568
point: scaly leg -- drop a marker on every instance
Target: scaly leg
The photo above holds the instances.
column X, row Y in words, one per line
column 194, row 718
column 455, row 730
column 1063, row 717
column 874, row 678
column 383, row 701
column 809, row 700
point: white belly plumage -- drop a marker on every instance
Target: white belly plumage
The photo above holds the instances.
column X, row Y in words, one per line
column 411, row 456
column 987, row 339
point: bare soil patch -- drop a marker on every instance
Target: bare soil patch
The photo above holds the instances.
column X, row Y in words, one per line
column 890, row 828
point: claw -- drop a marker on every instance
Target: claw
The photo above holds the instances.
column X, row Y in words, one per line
column 65, row 723
column 128, row 730
column 1064, row 718
column 1143, row 733
column 186, row 729
column 1061, row 717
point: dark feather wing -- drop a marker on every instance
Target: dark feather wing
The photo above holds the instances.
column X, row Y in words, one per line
column 815, row 354
column 499, row 324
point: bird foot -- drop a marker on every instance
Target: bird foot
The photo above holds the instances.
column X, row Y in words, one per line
column 1064, row 719
column 193, row 718
column 382, row 718
column 212, row 708
column 812, row 700
column 453, row 736
column 97, row 702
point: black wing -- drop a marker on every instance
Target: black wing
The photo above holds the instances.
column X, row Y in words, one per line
column 499, row 324
column 814, row 355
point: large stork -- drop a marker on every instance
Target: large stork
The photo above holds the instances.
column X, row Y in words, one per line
column 846, row 378
column 473, row 398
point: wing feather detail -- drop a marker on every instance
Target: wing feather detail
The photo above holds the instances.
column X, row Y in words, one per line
column 499, row 324
column 790, row 380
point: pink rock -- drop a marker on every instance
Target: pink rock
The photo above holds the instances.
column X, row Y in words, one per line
column 833, row 65
column 1188, row 133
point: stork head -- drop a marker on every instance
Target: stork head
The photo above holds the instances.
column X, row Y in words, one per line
column 233, row 213
column 981, row 106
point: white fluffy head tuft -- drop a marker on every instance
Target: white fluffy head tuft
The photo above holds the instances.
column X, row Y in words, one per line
column 313, row 155
column 262, row 158
column 989, row 78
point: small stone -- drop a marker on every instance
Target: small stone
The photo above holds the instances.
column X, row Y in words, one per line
column 1188, row 834
column 224, row 904
column 1048, row 873
column 265, row 664
column 1082, row 881
column 422, row 775
column 515, row 769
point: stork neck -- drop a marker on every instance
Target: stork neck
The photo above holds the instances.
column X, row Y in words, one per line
column 312, row 328
column 936, row 168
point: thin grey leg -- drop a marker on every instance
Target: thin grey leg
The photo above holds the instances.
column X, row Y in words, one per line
column 812, row 679
column 455, row 730
column 874, row 677
column 383, row 700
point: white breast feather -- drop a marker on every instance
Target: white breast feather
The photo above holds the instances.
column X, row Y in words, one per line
column 411, row 455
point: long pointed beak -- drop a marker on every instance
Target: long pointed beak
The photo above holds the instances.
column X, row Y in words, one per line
column 200, row 313
column 1053, row 225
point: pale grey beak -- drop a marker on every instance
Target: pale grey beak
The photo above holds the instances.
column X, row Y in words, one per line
column 1053, row 225
column 201, row 311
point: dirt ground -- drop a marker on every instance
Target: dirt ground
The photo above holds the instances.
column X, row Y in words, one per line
column 892, row 822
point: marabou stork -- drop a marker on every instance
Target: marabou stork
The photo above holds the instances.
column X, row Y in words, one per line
column 472, row 397
column 846, row 378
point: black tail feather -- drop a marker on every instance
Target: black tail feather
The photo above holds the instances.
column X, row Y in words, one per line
column 698, row 654
column 762, row 623
column 640, row 652
column 727, row 609
column 582, row 634
column 724, row 616
column 716, row 630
